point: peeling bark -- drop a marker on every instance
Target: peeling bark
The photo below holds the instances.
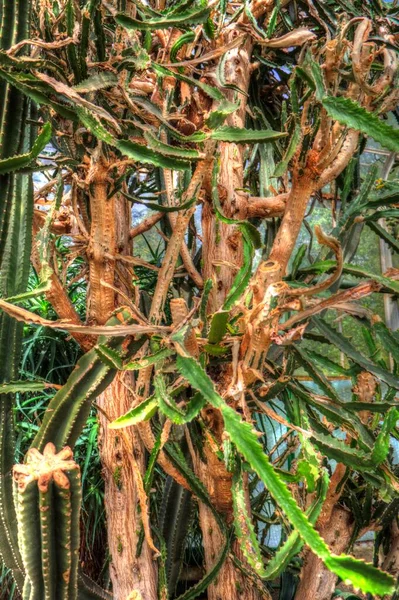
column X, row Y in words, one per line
column 335, row 524
column 230, row 582
column 222, row 248
column 101, row 301
column 109, row 235
column 391, row 560
column 128, row 573
column 222, row 253
column 317, row 582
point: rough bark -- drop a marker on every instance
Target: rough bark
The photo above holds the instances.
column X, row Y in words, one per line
column 391, row 560
column 230, row 583
column 101, row 301
column 335, row 524
column 128, row 573
column 222, row 248
column 222, row 252
column 317, row 582
column 109, row 235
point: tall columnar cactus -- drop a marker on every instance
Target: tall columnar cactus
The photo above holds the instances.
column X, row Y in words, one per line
column 16, row 209
column 47, row 498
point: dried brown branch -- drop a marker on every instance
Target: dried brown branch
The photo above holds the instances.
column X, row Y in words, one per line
column 146, row 225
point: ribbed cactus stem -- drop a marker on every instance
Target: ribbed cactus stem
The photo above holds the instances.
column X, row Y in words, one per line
column 16, row 210
column 48, row 497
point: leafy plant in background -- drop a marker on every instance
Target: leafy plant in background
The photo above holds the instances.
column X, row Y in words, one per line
column 241, row 116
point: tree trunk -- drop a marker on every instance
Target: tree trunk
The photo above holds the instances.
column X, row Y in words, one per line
column 317, row 582
column 133, row 578
column 222, row 249
column 335, row 525
column 230, row 583
column 222, row 253
column 391, row 560
column 129, row 573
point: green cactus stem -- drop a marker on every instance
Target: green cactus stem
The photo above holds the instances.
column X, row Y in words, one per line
column 16, row 210
column 48, row 498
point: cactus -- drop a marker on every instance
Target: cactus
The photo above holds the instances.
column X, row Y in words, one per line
column 47, row 498
column 16, row 209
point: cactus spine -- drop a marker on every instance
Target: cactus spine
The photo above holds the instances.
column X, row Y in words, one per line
column 48, row 498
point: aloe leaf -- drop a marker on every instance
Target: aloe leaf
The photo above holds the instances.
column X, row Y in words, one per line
column 167, row 150
column 218, row 326
column 243, row 276
column 349, row 269
column 99, row 81
column 350, row 113
column 145, row 155
column 174, row 523
column 184, row 39
column 143, row 412
column 68, row 410
column 23, row 387
column 317, row 76
column 346, row 347
column 15, row 163
column 211, row 91
column 94, row 125
column 336, row 413
column 374, row 407
column 382, row 443
column 169, row 407
column 30, row 87
column 291, row 149
column 160, row 207
column 199, row 490
column 109, row 356
column 130, row 149
column 216, row 117
column 176, row 20
column 332, row 367
column 215, row 350
column 148, row 361
column 293, row 545
column 341, row 452
column 387, row 338
column 385, row 235
column 362, row 575
column 317, row 376
column 245, row 531
column 245, row 136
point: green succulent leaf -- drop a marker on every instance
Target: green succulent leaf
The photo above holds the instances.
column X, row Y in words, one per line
column 169, row 408
column 350, row 113
column 99, row 81
column 24, row 386
column 245, row 136
column 382, row 443
column 199, row 15
column 363, row 575
column 245, row 531
column 293, row 545
column 16, row 163
column 349, row 350
column 143, row 412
